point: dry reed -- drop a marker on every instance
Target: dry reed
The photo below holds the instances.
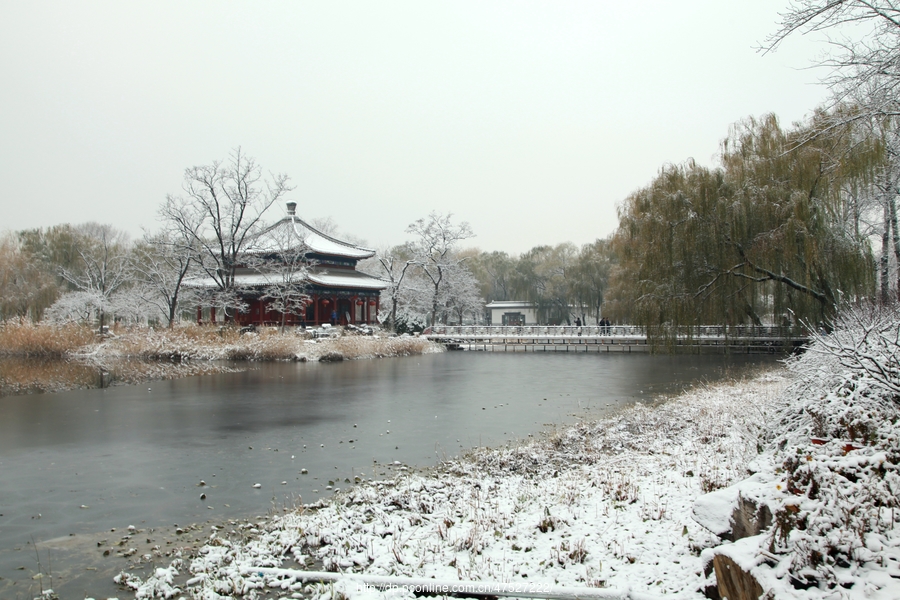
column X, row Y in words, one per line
column 24, row 338
column 195, row 342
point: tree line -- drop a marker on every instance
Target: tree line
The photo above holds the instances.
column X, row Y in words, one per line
column 788, row 225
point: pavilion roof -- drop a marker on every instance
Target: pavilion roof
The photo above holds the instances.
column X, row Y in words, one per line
column 292, row 229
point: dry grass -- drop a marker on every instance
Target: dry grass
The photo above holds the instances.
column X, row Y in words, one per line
column 352, row 347
column 195, row 342
column 24, row 338
column 20, row 375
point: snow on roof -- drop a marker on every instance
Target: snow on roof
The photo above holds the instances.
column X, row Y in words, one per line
column 345, row 278
column 320, row 243
column 510, row 304
column 340, row 278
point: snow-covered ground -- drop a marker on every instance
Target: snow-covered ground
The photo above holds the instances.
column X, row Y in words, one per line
column 604, row 504
column 613, row 505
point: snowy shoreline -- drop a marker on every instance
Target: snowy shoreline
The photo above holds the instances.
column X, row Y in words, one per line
column 47, row 364
column 784, row 485
column 605, row 504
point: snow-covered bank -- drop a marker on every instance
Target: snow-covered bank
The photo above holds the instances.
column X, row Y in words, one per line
column 604, row 504
column 783, row 486
column 45, row 358
column 210, row 343
column 22, row 338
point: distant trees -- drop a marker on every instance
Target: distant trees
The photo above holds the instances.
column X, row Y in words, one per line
column 96, row 271
column 562, row 281
column 495, row 273
column 590, row 277
column 26, row 289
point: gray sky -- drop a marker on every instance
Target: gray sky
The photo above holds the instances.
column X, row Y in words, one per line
column 530, row 120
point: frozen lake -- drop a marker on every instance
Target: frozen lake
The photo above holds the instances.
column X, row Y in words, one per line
column 82, row 462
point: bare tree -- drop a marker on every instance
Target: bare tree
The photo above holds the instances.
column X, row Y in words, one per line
column 462, row 296
column 868, row 66
column 285, row 268
column 393, row 265
column 161, row 263
column 228, row 200
column 103, row 267
column 434, row 250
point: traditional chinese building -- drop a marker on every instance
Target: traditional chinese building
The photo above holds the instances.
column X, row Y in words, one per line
column 334, row 290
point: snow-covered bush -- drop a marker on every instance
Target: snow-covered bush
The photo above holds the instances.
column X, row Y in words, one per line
column 837, row 443
column 74, row 307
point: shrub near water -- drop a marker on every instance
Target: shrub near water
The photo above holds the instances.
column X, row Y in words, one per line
column 367, row 347
column 195, row 342
column 24, row 338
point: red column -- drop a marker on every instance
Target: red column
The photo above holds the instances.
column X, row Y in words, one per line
column 315, row 300
column 212, row 315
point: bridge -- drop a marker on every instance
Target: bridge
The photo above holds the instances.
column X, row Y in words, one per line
column 712, row 339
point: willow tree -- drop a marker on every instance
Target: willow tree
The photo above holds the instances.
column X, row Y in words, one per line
column 545, row 276
column 759, row 239
column 495, row 272
column 591, row 276
column 669, row 246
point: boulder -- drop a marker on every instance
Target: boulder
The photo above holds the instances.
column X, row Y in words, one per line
column 738, row 511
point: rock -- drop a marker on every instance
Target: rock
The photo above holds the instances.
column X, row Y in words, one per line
column 733, row 582
column 738, row 511
column 332, row 356
column 749, row 518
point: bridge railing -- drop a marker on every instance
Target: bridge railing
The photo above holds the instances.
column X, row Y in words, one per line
column 536, row 331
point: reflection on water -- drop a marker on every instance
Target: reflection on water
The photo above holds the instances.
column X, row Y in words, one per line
column 35, row 375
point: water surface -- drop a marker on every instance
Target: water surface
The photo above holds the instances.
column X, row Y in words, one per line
column 80, row 462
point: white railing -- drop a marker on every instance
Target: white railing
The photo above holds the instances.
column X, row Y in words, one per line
column 553, row 331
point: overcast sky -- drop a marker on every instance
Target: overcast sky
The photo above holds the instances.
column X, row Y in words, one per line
column 529, row 120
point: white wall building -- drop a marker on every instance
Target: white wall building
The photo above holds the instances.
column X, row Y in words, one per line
column 512, row 312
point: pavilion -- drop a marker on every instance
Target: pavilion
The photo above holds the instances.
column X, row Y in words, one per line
column 333, row 290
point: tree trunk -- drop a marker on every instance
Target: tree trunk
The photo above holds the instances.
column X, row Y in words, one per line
column 893, row 206
column 885, row 252
column 394, row 314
